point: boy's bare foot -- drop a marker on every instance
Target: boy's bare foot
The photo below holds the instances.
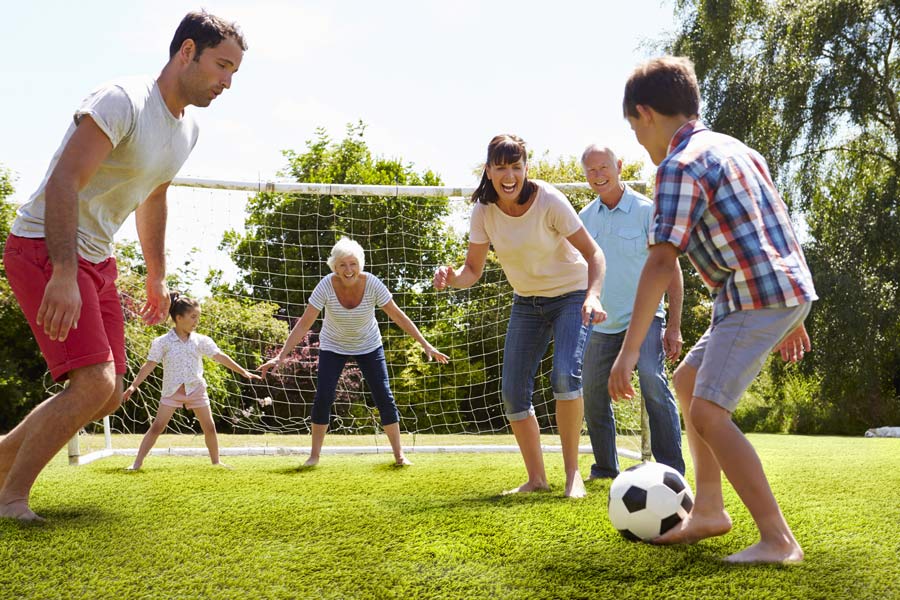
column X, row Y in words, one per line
column 402, row 462
column 18, row 509
column 575, row 486
column 787, row 553
column 696, row 527
column 527, row 488
column 311, row 461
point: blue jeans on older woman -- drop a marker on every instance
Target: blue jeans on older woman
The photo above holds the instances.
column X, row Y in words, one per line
column 665, row 424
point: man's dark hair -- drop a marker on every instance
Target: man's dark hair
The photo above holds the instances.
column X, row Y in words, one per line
column 667, row 84
column 206, row 30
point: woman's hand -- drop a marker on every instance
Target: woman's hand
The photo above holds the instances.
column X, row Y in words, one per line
column 271, row 365
column 592, row 312
column 434, row 354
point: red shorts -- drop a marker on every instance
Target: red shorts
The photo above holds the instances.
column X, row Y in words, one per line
column 100, row 335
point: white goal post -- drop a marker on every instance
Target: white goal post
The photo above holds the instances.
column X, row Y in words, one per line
column 262, row 401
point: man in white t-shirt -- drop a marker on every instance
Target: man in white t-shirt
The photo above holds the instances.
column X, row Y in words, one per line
column 128, row 140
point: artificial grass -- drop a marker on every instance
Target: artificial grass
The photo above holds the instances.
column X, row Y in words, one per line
column 355, row 527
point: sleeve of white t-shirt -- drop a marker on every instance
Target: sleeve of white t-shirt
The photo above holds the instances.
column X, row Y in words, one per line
column 157, row 350
column 562, row 217
column 477, row 232
column 112, row 111
column 319, row 297
column 207, row 346
column 380, row 291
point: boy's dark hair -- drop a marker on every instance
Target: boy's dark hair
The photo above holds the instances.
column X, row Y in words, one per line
column 504, row 149
column 206, row 30
column 667, row 84
column 181, row 304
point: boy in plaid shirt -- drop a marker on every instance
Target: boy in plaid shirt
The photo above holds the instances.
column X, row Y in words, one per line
column 716, row 202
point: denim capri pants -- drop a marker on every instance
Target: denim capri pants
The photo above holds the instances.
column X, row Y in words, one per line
column 532, row 322
column 374, row 371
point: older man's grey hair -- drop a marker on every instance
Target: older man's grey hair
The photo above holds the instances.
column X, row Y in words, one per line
column 598, row 149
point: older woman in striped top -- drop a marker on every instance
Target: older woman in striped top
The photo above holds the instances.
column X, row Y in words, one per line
column 349, row 330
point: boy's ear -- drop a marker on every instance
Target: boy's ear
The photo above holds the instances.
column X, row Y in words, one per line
column 645, row 111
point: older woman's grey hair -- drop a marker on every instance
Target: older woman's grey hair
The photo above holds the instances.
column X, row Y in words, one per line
column 346, row 247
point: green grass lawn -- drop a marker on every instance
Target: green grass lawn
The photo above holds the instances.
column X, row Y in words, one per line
column 357, row 528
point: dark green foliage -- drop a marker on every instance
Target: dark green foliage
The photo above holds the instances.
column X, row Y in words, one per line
column 22, row 366
column 814, row 87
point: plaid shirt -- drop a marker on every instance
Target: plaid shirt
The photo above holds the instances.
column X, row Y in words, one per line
column 715, row 201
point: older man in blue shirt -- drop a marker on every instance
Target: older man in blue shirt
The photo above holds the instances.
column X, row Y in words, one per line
column 619, row 220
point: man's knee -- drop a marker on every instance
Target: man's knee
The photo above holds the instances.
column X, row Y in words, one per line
column 95, row 383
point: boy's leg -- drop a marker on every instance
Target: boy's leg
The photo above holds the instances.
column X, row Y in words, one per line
column 744, row 470
column 734, row 353
column 665, row 424
column 46, row 430
column 160, row 421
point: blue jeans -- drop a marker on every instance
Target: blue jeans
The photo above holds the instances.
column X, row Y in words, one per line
column 665, row 426
column 531, row 322
column 374, row 370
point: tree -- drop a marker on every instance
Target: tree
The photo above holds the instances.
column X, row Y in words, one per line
column 813, row 86
column 22, row 366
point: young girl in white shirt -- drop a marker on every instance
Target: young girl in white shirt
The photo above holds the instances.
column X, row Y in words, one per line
column 181, row 351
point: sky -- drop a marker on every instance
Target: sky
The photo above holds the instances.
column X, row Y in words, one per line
column 434, row 81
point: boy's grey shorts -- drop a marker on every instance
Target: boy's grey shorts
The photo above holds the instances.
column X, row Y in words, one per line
column 732, row 353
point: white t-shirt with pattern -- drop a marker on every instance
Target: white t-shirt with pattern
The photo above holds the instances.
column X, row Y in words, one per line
column 349, row 330
column 181, row 360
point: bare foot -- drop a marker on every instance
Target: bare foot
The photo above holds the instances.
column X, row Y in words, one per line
column 575, row 486
column 696, row 527
column 311, row 461
column 786, row 553
column 222, row 465
column 18, row 509
column 527, row 488
column 402, row 462
column 134, row 467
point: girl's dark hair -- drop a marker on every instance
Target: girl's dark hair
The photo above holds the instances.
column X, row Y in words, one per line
column 181, row 304
column 504, row 149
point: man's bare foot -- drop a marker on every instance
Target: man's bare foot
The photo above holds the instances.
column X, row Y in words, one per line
column 222, row 465
column 402, row 462
column 787, row 553
column 311, row 461
column 575, row 486
column 696, row 527
column 18, row 509
column 527, row 488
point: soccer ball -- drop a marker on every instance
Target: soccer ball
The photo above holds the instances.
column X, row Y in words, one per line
column 647, row 500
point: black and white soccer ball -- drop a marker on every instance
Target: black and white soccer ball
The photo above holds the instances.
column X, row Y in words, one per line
column 647, row 500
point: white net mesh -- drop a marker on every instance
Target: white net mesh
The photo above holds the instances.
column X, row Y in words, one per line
column 253, row 259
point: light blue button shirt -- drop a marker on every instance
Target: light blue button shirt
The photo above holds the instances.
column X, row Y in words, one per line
column 622, row 234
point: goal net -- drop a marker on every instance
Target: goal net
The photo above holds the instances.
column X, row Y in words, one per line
column 252, row 253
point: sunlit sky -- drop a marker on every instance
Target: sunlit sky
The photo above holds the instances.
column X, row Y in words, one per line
column 433, row 81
